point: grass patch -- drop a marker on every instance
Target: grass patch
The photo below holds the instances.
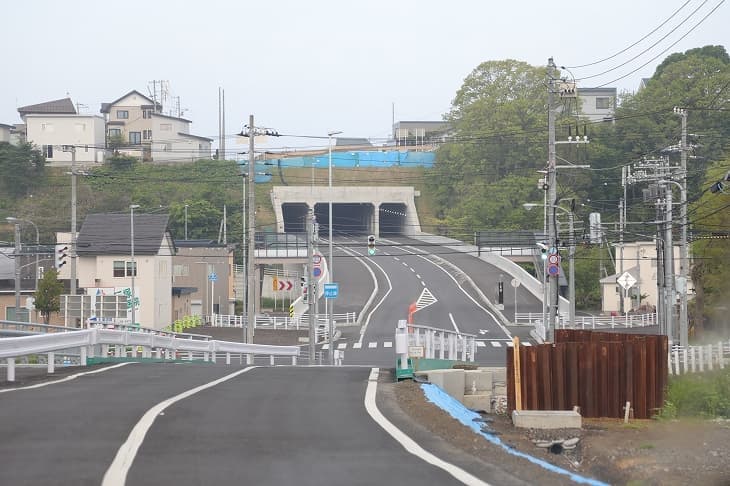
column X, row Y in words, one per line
column 646, row 446
column 705, row 395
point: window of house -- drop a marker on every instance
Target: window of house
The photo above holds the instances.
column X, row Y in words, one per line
column 181, row 270
column 146, row 113
column 603, row 103
column 147, row 134
column 115, row 132
column 48, row 151
column 124, row 269
column 122, row 114
column 135, row 138
column 165, row 127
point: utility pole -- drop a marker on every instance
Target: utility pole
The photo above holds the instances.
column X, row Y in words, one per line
column 669, row 263
column 16, row 261
column 552, row 196
column 72, row 149
column 684, row 255
column 250, row 268
column 311, row 298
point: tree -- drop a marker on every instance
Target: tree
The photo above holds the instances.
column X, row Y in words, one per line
column 22, row 167
column 47, row 296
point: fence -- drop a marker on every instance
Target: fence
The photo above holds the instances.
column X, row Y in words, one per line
column 283, row 322
column 592, row 322
column 431, row 342
column 597, row 371
column 693, row 359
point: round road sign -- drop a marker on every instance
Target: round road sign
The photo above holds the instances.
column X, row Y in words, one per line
column 515, row 283
column 553, row 259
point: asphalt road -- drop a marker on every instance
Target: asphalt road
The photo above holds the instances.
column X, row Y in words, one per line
column 263, row 426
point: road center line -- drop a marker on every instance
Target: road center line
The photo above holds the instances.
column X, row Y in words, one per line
column 116, row 475
column 68, row 378
column 409, row 444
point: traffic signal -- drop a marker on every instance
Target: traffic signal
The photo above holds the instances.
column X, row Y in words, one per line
column 371, row 245
column 543, row 250
column 61, row 255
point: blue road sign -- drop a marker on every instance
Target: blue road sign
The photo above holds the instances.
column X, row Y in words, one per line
column 331, row 290
column 317, row 271
column 213, row 277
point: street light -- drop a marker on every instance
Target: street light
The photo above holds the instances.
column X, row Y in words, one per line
column 12, row 219
column 571, row 276
column 132, row 207
column 330, row 302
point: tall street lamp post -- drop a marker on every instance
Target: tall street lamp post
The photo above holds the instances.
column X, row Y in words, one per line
column 330, row 263
column 132, row 207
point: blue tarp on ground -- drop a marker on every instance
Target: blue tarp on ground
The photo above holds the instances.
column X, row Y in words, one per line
column 348, row 160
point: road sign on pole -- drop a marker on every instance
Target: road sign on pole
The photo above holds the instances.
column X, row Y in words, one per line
column 331, row 290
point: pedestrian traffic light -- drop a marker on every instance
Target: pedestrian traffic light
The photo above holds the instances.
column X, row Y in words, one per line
column 371, row 245
column 61, row 255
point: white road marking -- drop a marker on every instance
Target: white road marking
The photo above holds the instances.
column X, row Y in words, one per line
column 372, row 345
column 396, row 259
column 409, row 444
column 526, row 343
column 425, row 299
column 357, row 345
column 388, row 344
column 413, row 270
column 423, row 283
column 404, row 264
column 326, row 346
column 481, row 344
column 496, row 344
column 342, row 346
column 116, row 475
column 453, row 322
column 418, row 276
column 68, row 378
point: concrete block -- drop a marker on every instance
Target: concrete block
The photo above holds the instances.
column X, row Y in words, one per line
column 499, row 373
column 478, row 402
column 480, row 379
column 546, row 419
column 451, row 381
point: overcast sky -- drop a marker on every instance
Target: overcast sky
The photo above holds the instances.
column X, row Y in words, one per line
column 309, row 67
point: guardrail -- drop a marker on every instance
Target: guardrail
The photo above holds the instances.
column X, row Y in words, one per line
column 103, row 341
column 591, row 322
column 282, row 322
column 432, row 342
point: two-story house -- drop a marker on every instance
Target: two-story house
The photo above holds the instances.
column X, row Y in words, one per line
column 63, row 135
column 105, row 264
column 136, row 126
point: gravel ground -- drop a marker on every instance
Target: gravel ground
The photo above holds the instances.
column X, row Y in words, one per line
column 640, row 453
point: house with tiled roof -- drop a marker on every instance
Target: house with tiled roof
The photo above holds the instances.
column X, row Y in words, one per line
column 64, row 136
column 105, row 264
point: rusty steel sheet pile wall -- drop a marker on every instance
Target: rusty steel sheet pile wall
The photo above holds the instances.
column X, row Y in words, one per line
column 597, row 371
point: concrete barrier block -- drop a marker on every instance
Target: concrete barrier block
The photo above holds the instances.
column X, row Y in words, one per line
column 451, row 381
column 499, row 373
column 479, row 402
column 480, row 379
column 546, row 419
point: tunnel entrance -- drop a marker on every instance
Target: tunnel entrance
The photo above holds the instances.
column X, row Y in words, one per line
column 347, row 218
column 295, row 217
column 392, row 219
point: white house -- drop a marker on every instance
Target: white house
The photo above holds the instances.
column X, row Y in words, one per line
column 597, row 104
column 149, row 134
column 640, row 262
column 172, row 142
column 55, row 124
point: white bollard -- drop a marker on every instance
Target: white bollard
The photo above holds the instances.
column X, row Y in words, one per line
column 293, row 360
column 11, row 369
column 51, row 362
column 82, row 352
column 228, row 358
column 249, row 359
column 271, row 360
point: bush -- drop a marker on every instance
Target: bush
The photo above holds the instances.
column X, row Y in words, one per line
column 698, row 395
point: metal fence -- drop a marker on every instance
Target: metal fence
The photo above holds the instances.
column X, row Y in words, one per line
column 591, row 322
column 283, row 322
column 597, row 371
column 696, row 359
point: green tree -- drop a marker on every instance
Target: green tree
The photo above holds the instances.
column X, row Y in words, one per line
column 48, row 294
column 22, row 167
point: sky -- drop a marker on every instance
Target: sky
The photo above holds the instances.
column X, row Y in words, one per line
column 308, row 68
